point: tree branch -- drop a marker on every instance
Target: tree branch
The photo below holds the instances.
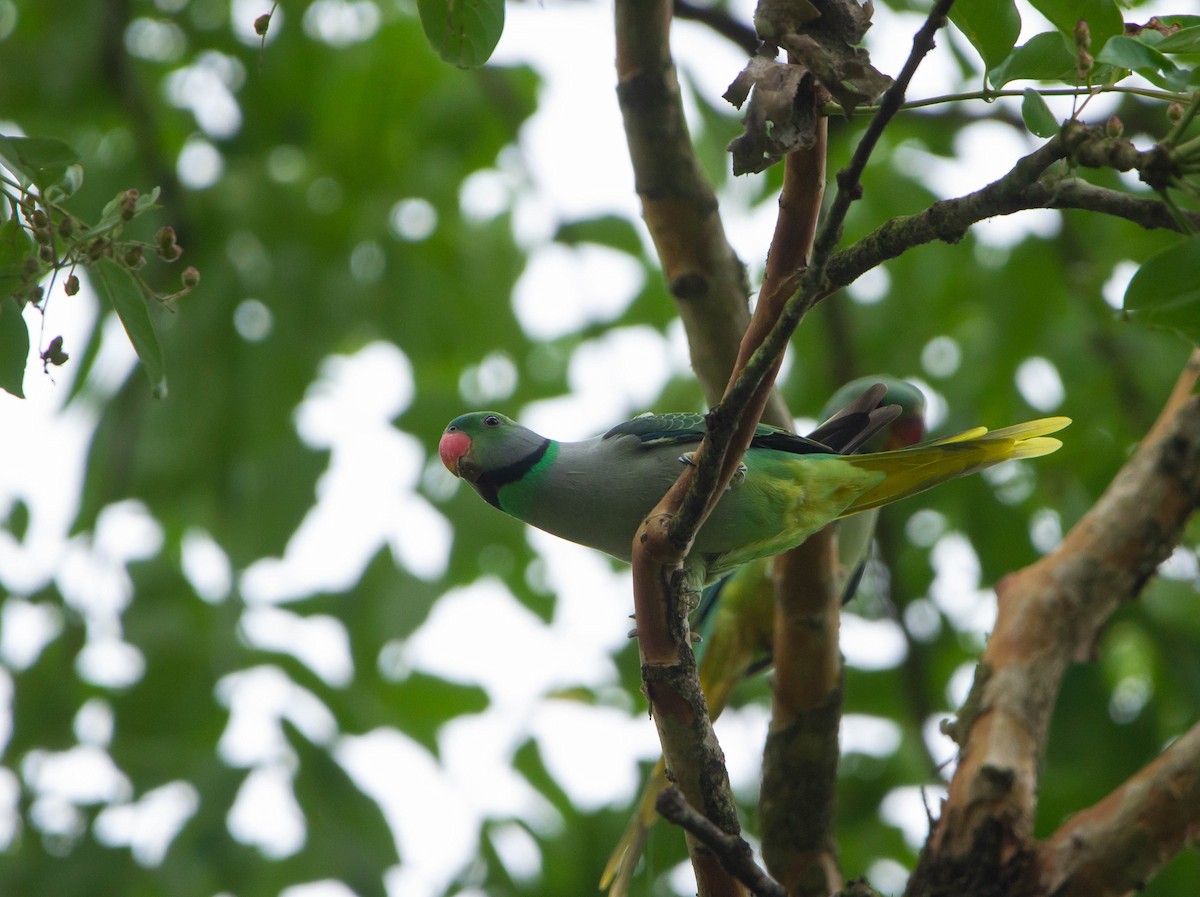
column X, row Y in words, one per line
column 801, row 755
column 679, row 207
column 1048, row 614
column 797, row 798
column 733, row 851
column 849, row 178
column 1026, row 186
column 708, row 283
column 1074, row 193
column 668, row 531
column 949, row 220
column 720, row 21
column 816, row 284
column 1113, row 847
column 117, row 70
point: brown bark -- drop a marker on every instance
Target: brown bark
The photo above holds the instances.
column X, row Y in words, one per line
column 1049, row 614
column 1113, row 847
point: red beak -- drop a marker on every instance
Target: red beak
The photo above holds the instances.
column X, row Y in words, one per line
column 452, row 448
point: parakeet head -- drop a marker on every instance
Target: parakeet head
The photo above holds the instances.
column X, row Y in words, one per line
column 907, row 429
column 482, row 443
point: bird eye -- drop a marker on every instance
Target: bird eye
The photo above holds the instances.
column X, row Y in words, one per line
column 491, row 421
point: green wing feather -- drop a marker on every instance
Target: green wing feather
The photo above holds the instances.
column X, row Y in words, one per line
column 686, row 428
column 679, row 427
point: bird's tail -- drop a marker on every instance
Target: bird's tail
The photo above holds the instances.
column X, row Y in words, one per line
column 625, row 855
column 912, row 470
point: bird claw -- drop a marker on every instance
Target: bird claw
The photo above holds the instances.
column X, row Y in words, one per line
column 738, row 476
column 632, row 633
column 689, row 458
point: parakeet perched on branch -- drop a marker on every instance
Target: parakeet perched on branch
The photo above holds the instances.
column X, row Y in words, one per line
column 736, row 616
column 596, row 492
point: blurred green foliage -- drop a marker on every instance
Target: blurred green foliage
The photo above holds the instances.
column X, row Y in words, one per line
column 330, row 139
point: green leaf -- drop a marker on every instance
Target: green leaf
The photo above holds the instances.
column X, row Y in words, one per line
column 15, row 246
column 992, row 27
column 1103, row 17
column 1044, row 57
column 1186, row 40
column 430, row 702
column 66, row 186
column 340, row 817
column 1130, row 53
column 17, row 522
column 118, row 286
column 1165, row 291
column 14, row 348
column 463, row 32
column 604, row 230
column 37, row 160
column 146, row 202
column 1037, row 115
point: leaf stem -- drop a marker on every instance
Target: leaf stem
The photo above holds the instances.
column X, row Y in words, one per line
column 988, row 95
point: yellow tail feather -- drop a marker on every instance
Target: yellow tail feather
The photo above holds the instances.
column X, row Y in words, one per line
column 619, row 871
column 912, row 470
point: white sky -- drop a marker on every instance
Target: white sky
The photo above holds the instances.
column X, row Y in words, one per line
column 574, row 152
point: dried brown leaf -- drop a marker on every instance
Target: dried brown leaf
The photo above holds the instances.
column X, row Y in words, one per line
column 845, row 71
column 822, row 42
column 775, row 122
column 775, row 18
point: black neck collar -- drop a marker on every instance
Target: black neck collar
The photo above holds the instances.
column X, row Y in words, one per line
column 490, row 482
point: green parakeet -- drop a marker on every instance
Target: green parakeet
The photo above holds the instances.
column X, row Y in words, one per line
column 736, row 616
column 596, row 492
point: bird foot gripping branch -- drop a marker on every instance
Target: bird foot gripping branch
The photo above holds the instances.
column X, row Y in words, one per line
column 689, row 458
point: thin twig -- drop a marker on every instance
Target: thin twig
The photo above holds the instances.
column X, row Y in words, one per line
column 849, row 178
column 989, row 95
column 720, row 21
column 734, row 853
